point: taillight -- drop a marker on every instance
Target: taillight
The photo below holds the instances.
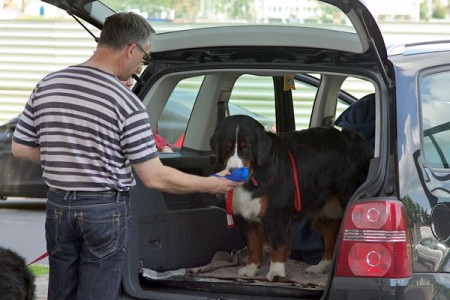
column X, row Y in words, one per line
column 374, row 241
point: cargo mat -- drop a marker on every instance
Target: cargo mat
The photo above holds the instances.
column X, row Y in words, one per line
column 224, row 267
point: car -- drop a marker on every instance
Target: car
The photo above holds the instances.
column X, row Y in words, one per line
column 182, row 247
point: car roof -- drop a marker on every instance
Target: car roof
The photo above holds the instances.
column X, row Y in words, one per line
column 419, row 48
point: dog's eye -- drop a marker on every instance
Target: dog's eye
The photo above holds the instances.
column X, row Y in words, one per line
column 228, row 148
column 246, row 152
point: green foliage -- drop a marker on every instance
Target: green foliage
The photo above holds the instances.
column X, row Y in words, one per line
column 38, row 270
column 424, row 11
column 235, row 9
column 416, row 212
column 439, row 13
column 439, row 10
column 187, row 9
column 144, row 6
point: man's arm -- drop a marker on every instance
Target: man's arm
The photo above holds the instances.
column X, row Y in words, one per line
column 155, row 175
column 26, row 152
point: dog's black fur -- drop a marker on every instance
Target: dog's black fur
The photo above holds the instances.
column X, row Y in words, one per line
column 331, row 165
column 16, row 280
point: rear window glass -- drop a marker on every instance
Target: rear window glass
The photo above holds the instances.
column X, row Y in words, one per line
column 194, row 14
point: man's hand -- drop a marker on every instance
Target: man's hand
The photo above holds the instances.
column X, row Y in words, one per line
column 221, row 185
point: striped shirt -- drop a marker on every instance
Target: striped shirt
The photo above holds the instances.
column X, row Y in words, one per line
column 89, row 128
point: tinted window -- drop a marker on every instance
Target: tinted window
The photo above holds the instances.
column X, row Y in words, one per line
column 435, row 102
column 177, row 112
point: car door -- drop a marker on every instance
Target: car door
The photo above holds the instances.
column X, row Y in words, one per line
column 18, row 177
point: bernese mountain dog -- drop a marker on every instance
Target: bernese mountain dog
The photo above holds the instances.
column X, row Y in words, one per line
column 311, row 173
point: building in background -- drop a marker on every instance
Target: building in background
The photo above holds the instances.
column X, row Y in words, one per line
column 388, row 10
column 291, row 11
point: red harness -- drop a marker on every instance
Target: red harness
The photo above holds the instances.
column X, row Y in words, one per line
column 297, row 201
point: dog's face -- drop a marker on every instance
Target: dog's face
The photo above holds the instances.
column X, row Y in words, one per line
column 240, row 141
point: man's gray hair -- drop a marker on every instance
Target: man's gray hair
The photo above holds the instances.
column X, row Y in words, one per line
column 122, row 29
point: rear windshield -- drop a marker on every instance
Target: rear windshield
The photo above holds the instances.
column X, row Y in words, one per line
column 172, row 15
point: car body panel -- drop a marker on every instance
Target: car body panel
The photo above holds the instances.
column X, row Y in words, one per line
column 18, row 178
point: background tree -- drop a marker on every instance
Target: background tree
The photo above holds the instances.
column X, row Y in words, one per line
column 439, row 10
column 234, row 9
column 186, row 9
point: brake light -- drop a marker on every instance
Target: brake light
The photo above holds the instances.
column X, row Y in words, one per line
column 374, row 242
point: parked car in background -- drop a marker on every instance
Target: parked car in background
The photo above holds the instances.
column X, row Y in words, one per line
column 18, row 178
column 182, row 247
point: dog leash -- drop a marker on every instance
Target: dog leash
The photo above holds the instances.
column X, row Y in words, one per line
column 238, row 175
column 229, row 209
column 38, row 259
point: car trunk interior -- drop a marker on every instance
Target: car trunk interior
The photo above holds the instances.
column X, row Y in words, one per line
column 181, row 243
column 184, row 243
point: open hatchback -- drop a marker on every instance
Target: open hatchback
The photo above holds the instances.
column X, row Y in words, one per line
column 300, row 72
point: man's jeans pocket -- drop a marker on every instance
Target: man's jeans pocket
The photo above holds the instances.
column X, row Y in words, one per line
column 103, row 228
column 53, row 228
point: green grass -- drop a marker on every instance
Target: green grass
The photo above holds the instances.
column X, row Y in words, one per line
column 38, row 270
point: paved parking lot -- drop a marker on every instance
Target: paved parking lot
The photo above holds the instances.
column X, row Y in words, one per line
column 41, row 283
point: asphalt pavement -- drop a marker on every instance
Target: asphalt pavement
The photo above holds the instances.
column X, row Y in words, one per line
column 41, row 283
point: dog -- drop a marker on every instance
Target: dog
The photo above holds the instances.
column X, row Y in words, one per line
column 16, row 280
column 328, row 165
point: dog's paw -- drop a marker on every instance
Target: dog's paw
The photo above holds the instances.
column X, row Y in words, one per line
column 321, row 268
column 249, row 270
column 276, row 269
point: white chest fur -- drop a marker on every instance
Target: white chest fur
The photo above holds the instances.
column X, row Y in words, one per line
column 246, row 206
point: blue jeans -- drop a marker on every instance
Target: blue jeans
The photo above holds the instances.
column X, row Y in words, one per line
column 87, row 238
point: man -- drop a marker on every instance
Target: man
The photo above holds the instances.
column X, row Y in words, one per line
column 88, row 131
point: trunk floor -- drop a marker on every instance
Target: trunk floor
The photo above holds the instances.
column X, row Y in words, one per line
column 224, row 268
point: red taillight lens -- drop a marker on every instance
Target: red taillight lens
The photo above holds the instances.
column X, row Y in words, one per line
column 374, row 242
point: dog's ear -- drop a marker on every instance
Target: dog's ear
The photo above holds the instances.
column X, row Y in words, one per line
column 264, row 144
column 214, row 144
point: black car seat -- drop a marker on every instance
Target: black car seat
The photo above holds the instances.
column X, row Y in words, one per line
column 360, row 117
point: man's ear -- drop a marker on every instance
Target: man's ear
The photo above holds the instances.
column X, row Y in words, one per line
column 129, row 49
